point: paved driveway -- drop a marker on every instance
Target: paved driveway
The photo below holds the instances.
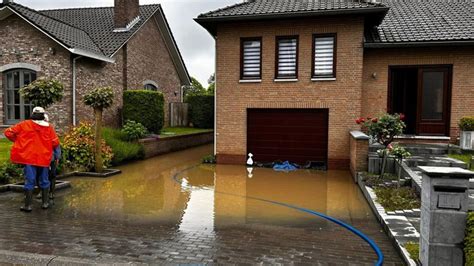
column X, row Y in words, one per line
column 158, row 212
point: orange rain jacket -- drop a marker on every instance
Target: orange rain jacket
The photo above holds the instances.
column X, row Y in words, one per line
column 33, row 144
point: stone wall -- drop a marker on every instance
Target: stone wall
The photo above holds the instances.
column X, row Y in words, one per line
column 155, row 146
column 342, row 97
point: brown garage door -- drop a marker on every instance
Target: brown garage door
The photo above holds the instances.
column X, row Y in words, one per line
column 296, row 135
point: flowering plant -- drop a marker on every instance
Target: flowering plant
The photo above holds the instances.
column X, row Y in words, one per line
column 383, row 128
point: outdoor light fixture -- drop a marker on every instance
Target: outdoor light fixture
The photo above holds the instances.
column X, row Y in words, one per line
column 52, row 50
column 374, row 75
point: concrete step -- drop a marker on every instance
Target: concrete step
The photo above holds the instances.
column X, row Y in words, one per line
column 441, row 161
column 421, row 149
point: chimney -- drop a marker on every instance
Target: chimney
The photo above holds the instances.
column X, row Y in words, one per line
column 125, row 13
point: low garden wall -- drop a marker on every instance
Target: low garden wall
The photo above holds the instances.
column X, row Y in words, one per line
column 157, row 146
column 359, row 146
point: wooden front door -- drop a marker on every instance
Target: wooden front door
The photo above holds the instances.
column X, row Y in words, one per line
column 423, row 94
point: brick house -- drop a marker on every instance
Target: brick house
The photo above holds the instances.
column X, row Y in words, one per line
column 126, row 47
column 293, row 75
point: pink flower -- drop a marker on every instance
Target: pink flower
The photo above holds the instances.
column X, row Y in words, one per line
column 375, row 120
column 402, row 117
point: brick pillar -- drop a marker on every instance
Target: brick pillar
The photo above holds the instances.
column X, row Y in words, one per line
column 359, row 151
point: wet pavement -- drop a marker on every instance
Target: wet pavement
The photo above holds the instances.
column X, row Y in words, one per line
column 171, row 209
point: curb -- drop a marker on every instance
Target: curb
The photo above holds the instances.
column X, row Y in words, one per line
column 387, row 221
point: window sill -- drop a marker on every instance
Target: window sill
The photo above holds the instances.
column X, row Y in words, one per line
column 285, row 80
column 323, row 79
column 250, row 81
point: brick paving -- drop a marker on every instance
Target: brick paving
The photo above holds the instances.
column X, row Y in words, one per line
column 61, row 233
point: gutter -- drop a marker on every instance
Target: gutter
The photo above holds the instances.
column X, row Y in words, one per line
column 293, row 14
column 418, row 44
column 81, row 52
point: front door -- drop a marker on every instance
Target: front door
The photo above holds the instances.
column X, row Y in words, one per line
column 423, row 94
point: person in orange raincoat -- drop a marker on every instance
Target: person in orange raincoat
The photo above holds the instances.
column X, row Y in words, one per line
column 34, row 140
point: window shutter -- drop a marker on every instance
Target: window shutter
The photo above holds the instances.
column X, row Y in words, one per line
column 324, row 49
column 287, row 57
column 251, row 59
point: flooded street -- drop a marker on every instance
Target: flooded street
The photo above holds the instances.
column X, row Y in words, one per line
column 171, row 208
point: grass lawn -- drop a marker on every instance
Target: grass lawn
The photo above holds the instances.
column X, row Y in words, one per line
column 5, row 146
column 463, row 157
column 177, row 131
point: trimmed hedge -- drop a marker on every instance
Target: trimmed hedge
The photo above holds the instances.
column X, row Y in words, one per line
column 145, row 107
column 469, row 242
column 201, row 110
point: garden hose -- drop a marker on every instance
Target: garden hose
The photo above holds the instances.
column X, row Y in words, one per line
column 369, row 241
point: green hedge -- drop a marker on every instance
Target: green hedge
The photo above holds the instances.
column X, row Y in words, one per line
column 469, row 242
column 144, row 107
column 123, row 150
column 201, row 110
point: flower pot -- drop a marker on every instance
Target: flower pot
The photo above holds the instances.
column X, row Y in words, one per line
column 467, row 140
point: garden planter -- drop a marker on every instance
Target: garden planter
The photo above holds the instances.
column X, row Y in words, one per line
column 467, row 140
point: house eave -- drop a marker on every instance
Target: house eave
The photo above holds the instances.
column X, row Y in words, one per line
column 210, row 22
column 419, row 44
column 81, row 52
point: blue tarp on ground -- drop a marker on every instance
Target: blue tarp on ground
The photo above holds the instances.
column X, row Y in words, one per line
column 285, row 166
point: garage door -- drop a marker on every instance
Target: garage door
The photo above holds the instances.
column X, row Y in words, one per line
column 296, row 135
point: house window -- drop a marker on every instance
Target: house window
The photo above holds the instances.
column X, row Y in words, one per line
column 286, row 64
column 150, row 87
column 324, row 56
column 16, row 109
column 251, row 58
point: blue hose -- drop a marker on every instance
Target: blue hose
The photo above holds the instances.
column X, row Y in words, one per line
column 369, row 241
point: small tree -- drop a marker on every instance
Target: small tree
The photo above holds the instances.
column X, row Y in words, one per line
column 383, row 129
column 99, row 99
column 399, row 153
column 43, row 92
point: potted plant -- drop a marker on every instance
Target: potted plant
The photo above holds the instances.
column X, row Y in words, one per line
column 466, row 125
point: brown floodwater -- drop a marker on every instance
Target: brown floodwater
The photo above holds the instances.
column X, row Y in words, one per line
column 175, row 189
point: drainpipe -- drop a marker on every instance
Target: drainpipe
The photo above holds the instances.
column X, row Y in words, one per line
column 215, row 96
column 74, row 90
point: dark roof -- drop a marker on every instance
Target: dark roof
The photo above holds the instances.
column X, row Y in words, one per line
column 411, row 21
column 267, row 7
column 69, row 36
column 407, row 21
column 99, row 24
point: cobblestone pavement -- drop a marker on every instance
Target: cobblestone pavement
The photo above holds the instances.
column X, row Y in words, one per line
column 103, row 236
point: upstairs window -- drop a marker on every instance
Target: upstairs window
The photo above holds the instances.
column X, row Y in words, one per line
column 324, row 56
column 251, row 58
column 286, row 65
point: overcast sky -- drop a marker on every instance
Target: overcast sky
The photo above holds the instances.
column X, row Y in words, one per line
column 194, row 42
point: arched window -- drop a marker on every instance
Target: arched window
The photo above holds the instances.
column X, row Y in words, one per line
column 16, row 109
column 150, row 85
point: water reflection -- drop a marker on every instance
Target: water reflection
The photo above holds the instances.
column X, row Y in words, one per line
column 207, row 197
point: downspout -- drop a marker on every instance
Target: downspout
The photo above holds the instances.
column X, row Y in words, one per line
column 215, row 96
column 74, row 90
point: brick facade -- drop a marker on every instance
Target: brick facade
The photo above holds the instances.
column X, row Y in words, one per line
column 148, row 59
column 375, row 90
column 342, row 97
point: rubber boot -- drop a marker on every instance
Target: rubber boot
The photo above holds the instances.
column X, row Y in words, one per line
column 45, row 198
column 28, row 200
column 52, row 187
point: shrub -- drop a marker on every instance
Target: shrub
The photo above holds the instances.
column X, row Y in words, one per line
column 78, row 149
column 467, row 123
column 100, row 98
column 394, row 199
column 201, row 110
column 10, row 173
column 209, row 159
column 384, row 128
column 123, row 150
column 144, row 107
column 133, row 130
column 469, row 241
column 43, row 92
